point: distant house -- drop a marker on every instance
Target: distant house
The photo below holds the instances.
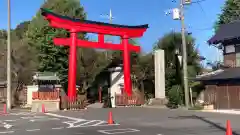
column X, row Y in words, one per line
column 222, row 87
column 46, row 81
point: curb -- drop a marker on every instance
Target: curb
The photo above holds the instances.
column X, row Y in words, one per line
column 222, row 112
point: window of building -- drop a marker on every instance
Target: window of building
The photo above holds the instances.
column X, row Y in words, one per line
column 229, row 49
column 238, row 59
column 237, row 48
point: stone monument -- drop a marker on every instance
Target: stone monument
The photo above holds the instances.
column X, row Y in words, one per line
column 159, row 63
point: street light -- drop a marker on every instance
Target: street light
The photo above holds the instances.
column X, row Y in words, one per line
column 179, row 56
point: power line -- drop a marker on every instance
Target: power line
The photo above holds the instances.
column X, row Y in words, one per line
column 202, row 29
column 193, row 2
column 199, row 4
column 198, row 1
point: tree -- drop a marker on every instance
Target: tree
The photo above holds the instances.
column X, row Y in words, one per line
column 21, row 29
column 171, row 44
column 143, row 73
column 3, row 56
column 40, row 36
column 23, row 65
column 119, row 54
column 230, row 12
column 90, row 63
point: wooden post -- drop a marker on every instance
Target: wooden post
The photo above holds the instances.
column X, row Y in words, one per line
column 100, row 94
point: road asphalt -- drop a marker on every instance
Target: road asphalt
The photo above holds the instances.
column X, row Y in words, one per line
column 128, row 121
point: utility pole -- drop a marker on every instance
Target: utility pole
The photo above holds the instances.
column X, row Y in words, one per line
column 178, row 14
column 9, row 98
column 184, row 49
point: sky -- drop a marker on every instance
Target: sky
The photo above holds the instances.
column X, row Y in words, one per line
column 199, row 18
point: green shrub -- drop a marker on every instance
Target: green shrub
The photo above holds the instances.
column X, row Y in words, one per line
column 174, row 96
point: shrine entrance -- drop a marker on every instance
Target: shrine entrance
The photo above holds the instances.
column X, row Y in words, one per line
column 75, row 26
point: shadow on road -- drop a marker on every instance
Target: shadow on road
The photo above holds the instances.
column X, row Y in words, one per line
column 213, row 124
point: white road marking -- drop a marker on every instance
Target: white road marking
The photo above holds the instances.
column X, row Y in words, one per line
column 34, row 117
column 99, row 123
column 7, row 126
column 61, row 116
column 10, row 120
column 71, row 123
column 45, row 119
column 118, row 131
column 58, row 128
column 23, row 113
column 31, row 130
column 86, row 123
column 77, row 122
column 7, row 132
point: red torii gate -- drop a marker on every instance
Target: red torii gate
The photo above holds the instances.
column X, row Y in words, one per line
column 74, row 26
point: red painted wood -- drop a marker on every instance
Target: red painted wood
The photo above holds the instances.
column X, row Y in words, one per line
column 100, row 45
column 126, row 67
column 67, row 24
column 72, row 66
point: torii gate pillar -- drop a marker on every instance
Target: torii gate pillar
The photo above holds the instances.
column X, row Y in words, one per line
column 72, row 66
column 126, row 67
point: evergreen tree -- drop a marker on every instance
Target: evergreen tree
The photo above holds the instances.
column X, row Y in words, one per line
column 40, row 36
column 230, row 12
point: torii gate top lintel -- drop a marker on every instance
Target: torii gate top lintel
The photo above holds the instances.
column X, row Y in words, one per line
column 79, row 25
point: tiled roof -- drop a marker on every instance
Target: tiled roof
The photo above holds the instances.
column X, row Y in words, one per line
column 222, row 74
column 45, row 76
column 226, row 32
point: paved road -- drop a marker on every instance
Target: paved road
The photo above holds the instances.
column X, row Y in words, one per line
column 129, row 121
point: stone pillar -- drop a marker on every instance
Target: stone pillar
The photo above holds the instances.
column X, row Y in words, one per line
column 159, row 63
column 159, row 74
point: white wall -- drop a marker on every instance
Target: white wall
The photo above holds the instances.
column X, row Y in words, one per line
column 30, row 89
column 117, row 78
